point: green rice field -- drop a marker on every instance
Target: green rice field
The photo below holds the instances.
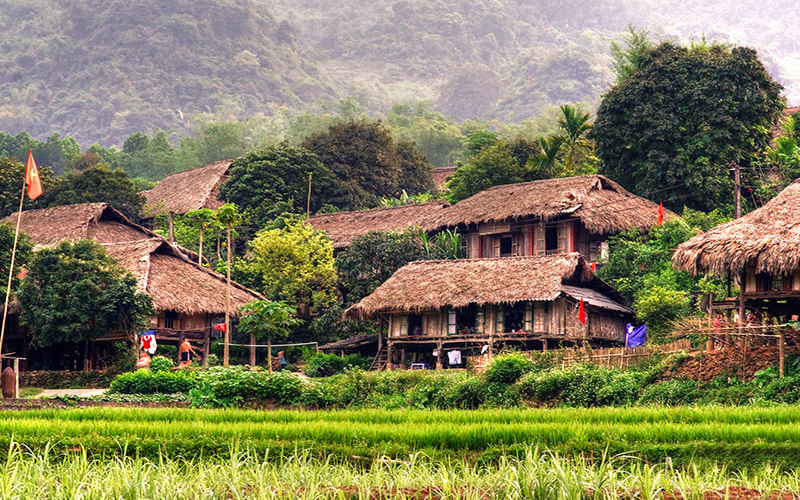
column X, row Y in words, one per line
column 736, row 438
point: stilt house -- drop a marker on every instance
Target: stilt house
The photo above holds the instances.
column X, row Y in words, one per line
column 759, row 251
column 531, row 302
column 547, row 217
column 187, row 297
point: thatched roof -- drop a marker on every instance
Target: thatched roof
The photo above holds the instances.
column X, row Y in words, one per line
column 189, row 190
column 441, row 175
column 175, row 282
column 433, row 284
column 343, row 227
column 162, row 269
column 601, row 204
column 84, row 221
column 767, row 238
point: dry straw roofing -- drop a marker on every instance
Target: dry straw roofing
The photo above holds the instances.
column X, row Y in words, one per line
column 427, row 285
column 767, row 238
column 343, row 227
column 175, row 282
column 603, row 206
column 189, row 190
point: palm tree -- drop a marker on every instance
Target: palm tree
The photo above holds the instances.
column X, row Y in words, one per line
column 201, row 219
column 574, row 123
column 228, row 214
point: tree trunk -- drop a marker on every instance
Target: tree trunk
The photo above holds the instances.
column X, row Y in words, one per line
column 269, row 355
column 226, row 357
column 252, row 350
column 200, row 253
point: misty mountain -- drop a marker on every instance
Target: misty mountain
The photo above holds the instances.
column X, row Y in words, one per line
column 102, row 70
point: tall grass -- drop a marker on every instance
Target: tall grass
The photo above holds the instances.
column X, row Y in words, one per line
column 250, row 475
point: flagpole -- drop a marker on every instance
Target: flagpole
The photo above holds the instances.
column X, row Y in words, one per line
column 11, row 268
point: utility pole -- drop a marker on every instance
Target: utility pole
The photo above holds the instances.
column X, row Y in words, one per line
column 737, row 212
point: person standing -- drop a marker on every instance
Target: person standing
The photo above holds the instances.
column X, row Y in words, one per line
column 185, row 351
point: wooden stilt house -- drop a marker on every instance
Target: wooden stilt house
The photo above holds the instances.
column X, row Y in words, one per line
column 187, row 297
column 759, row 251
column 532, row 302
column 547, row 217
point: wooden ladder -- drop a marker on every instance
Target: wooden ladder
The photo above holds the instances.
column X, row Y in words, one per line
column 379, row 363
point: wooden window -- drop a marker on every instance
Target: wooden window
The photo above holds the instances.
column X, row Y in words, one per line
column 170, row 318
column 452, row 328
column 528, row 327
column 541, row 242
column 499, row 319
column 564, row 233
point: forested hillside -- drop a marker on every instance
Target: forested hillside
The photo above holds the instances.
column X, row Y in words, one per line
column 100, row 71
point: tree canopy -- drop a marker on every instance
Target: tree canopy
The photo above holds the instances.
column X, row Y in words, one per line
column 294, row 264
column 681, row 118
column 366, row 165
column 76, row 291
column 97, row 184
column 264, row 177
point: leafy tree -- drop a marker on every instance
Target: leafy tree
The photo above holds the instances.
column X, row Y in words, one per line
column 640, row 267
column 265, row 319
column 12, row 174
column 372, row 258
column 367, row 165
column 682, row 117
column 294, row 264
column 625, row 60
column 478, row 140
column 98, row 184
column 503, row 163
column 74, row 292
column 264, row 177
column 228, row 215
column 433, row 135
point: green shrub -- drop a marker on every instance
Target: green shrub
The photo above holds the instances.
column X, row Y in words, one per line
column 325, row 365
column 213, row 360
column 783, row 390
column 576, row 385
column 161, row 364
column 623, row 390
column 508, row 368
column 671, row 393
column 222, row 387
column 148, row 382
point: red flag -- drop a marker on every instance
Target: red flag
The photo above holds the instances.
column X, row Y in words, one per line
column 22, row 273
column 581, row 313
column 660, row 213
column 32, row 178
column 220, row 327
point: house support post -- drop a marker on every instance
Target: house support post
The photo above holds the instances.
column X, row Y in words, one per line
column 739, row 328
column 389, row 365
column 252, row 350
column 710, row 339
column 403, row 358
column 439, row 346
column 206, row 345
column 781, row 353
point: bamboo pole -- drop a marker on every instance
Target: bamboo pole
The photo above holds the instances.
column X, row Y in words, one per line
column 781, row 353
column 11, row 267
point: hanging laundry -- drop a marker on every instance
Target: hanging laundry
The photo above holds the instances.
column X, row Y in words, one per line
column 436, row 353
column 148, row 342
column 454, row 357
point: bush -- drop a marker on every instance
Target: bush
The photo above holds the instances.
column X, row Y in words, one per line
column 671, row 393
column 783, row 390
column 325, row 365
column 508, row 368
column 576, row 385
column 161, row 364
column 623, row 390
column 148, row 382
column 232, row 386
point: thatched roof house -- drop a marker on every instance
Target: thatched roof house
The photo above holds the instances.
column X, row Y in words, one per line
column 759, row 249
column 432, row 284
column 602, row 205
column 189, row 190
column 528, row 300
column 343, row 227
column 573, row 214
column 767, row 239
column 163, row 270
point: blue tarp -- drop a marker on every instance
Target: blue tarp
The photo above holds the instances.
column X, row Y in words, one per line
column 636, row 336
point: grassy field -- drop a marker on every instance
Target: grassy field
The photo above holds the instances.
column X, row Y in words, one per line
column 736, row 438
